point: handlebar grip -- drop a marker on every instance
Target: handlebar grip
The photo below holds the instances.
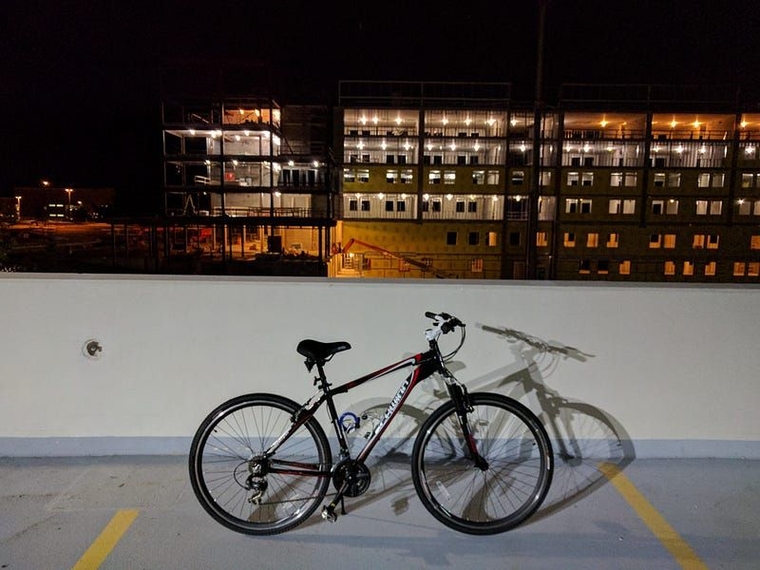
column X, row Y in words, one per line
column 432, row 315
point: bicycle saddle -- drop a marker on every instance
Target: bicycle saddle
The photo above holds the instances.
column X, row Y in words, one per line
column 320, row 351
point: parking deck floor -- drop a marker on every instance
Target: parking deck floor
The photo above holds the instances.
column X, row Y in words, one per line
column 140, row 512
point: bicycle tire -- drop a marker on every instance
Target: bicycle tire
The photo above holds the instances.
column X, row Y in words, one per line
column 511, row 489
column 221, row 455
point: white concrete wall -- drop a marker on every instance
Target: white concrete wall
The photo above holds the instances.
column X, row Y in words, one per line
column 675, row 367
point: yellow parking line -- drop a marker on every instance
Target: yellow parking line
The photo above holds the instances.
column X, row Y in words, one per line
column 105, row 543
column 670, row 539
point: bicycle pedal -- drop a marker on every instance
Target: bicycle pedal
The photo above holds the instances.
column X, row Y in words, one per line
column 329, row 514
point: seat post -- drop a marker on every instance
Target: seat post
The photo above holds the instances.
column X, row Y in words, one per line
column 322, row 378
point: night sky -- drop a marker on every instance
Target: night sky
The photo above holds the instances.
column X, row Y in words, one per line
column 79, row 81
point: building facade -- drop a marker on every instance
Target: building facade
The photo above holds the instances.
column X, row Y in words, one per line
column 626, row 183
column 246, row 178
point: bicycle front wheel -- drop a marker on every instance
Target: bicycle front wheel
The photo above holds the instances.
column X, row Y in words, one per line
column 242, row 489
column 492, row 498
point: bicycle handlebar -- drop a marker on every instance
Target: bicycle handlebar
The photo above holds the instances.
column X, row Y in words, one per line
column 446, row 322
column 443, row 323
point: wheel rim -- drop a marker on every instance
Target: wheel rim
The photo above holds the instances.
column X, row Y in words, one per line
column 504, row 494
column 226, row 450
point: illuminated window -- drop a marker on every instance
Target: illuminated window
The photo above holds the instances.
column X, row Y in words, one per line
column 449, row 177
column 711, row 268
column 625, row 267
column 628, row 179
column 592, row 240
column 476, row 266
column 714, row 207
column 569, row 240
column 754, row 242
column 655, row 241
column 740, row 268
column 712, row 241
column 618, row 206
column 670, row 268
column 669, row 241
column 671, row 207
column 613, row 240
column 753, row 269
column 541, row 240
column 698, row 242
column 745, row 207
column 493, row 239
column 688, row 268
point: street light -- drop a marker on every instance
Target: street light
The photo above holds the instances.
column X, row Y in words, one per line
column 68, row 208
column 18, row 208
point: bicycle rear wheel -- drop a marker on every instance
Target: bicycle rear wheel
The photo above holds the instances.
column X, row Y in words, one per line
column 239, row 487
column 483, row 501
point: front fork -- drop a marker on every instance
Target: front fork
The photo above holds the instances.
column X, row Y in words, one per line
column 463, row 406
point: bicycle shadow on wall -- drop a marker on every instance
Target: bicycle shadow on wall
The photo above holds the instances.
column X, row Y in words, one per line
column 582, row 435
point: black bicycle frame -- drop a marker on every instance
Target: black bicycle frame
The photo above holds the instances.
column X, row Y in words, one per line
column 425, row 364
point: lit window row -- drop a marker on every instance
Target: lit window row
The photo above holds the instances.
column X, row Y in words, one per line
column 666, row 207
column 656, row 241
column 611, row 240
column 659, row 179
column 434, row 176
column 710, row 269
column 603, row 267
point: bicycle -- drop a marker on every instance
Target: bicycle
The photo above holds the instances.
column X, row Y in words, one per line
column 481, row 463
